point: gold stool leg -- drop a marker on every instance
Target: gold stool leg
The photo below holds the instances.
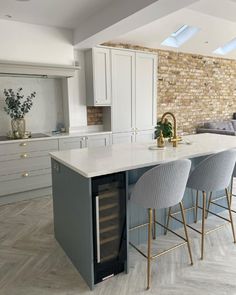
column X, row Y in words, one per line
column 186, row 232
column 230, row 213
column 231, row 191
column 203, row 223
column 196, row 207
column 154, row 225
column 168, row 220
column 149, row 248
column 209, row 204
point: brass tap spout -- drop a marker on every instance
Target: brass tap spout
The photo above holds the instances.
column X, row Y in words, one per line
column 175, row 139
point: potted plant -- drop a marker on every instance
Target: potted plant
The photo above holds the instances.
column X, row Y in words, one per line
column 17, row 107
column 165, row 128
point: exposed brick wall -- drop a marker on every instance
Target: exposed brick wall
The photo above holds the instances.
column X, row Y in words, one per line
column 95, row 115
column 195, row 88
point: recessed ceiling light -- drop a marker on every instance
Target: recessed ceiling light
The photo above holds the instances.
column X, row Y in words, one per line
column 179, row 37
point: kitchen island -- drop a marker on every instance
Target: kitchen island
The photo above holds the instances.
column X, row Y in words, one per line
column 92, row 212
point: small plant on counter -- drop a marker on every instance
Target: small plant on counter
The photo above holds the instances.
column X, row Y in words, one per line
column 165, row 127
column 17, row 107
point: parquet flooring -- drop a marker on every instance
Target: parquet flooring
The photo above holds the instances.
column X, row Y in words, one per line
column 32, row 263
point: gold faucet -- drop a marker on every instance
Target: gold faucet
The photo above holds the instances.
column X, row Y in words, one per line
column 174, row 139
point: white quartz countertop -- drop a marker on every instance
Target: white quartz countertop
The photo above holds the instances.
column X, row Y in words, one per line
column 91, row 162
column 50, row 136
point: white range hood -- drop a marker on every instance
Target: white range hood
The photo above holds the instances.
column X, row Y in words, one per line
column 24, row 69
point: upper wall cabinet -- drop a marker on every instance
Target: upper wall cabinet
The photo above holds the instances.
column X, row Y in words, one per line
column 123, row 90
column 98, row 77
column 145, row 91
column 134, row 84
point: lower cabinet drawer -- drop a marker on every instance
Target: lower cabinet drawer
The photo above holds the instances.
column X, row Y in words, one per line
column 24, row 164
column 28, row 146
column 72, row 143
column 25, row 181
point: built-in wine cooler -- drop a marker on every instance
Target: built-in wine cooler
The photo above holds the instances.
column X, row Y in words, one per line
column 109, row 224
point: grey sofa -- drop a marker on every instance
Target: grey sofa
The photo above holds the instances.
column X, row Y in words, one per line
column 225, row 127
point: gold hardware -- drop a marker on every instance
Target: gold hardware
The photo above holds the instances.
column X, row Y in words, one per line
column 148, row 256
column 175, row 139
column 25, row 174
column 149, row 248
column 23, row 156
column 161, row 141
column 23, row 144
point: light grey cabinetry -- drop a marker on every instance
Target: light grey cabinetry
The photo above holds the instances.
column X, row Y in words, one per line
column 25, row 166
column 134, row 84
column 84, row 141
column 98, row 140
column 98, row 77
column 72, row 143
column 124, row 137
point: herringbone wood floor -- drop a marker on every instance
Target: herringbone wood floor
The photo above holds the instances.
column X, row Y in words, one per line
column 32, row 263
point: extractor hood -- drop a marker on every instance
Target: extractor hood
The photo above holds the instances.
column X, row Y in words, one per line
column 36, row 70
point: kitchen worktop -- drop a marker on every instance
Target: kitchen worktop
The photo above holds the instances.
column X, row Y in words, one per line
column 48, row 136
column 122, row 157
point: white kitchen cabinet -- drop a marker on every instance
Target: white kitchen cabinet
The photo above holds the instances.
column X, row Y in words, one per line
column 98, row 140
column 25, row 165
column 144, row 136
column 123, row 90
column 145, row 92
column 98, row 77
column 84, row 141
column 72, row 143
column 123, row 137
column 134, row 84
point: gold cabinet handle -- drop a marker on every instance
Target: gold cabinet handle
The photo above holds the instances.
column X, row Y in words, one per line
column 25, row 174
column 23, row 156
column 23, row 144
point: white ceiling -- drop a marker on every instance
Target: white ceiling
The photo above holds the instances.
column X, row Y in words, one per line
column 215, row 18
column 59, row 13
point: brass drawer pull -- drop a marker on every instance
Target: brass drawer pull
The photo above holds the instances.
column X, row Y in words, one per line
column 25, row 174
column 23, row 144
column 24, row 156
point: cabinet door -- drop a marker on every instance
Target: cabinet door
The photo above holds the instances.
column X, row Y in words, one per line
column 144, row 136
column 127, row 137
column 98, row 140
column 72, row 143
column 146, row 85
column 123, row 90
column 101, row 76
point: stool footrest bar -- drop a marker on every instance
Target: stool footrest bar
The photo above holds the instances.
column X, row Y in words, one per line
column 171, row 231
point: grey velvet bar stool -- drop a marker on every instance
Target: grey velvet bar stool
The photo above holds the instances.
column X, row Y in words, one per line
column 213, row 174
column 231, row 189
column 161, row 187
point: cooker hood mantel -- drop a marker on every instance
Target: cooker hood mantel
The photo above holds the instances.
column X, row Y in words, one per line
column 36, row 70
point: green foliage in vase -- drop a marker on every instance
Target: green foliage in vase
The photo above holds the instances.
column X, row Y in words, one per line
column 16, row 105
column 165, row 127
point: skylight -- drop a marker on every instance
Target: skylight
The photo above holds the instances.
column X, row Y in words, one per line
column 182, row 35
column 228, row 47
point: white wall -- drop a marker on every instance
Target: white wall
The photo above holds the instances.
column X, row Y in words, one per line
column 47, row 109
column 34, row 43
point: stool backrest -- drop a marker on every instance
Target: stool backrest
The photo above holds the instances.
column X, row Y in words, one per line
column 162, row 186
column 213, row 173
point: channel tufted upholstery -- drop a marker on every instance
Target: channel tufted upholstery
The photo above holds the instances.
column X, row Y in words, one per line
column 214, row 173
column 162, row 186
